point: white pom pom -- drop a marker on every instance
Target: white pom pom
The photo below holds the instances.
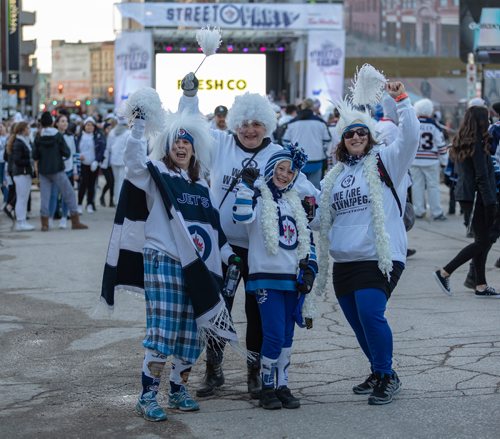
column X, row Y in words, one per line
column 368, row 86
column 147, row 100
column 209, row 39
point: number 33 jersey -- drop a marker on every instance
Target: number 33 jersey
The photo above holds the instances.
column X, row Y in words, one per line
column 432, row 146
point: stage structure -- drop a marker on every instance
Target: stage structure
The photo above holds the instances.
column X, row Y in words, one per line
column 290, row 51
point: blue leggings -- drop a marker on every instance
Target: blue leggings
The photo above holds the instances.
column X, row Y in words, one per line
column 276, row 312
column 364, row 310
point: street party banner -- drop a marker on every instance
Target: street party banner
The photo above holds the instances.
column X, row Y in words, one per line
column 325, row 66
column 236, row 15
column 133, row 63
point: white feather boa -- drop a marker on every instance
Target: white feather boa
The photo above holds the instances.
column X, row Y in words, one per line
column 270, row 221
column 370, row 171
column 325, row 217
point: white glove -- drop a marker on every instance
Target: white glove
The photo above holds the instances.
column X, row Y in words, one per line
column 138, row 129
column 93, row 166
column 243, row 205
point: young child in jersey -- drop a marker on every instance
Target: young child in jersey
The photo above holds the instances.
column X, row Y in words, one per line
column 279, row 242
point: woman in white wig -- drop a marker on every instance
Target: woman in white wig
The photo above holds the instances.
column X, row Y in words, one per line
column 246, row 150
column 180, row 155
column 361, row 227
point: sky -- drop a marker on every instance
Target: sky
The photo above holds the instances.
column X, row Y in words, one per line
column 70, row 20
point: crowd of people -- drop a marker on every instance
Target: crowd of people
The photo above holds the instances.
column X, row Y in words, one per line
column 248, row 188
column 58, row 154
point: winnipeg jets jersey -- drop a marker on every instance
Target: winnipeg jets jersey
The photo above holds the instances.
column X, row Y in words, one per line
column 432, row 146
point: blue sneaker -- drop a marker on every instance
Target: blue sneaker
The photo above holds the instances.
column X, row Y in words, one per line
column 182, row 400
column 148, row 407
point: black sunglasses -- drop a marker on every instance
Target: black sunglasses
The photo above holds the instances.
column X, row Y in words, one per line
column 361, row 132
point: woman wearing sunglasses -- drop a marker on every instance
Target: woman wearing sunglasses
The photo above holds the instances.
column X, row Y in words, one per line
column 361, row 227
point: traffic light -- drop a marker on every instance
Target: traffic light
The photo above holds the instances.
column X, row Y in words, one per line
column 111, row 90
column 88, row 102
column 60, row 88
column 78, row 103
column 54, row 102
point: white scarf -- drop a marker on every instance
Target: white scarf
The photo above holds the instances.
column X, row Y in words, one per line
column 270, row 221
column 370, row 171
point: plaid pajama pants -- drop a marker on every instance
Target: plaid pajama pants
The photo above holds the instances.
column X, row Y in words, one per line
column 170, row 325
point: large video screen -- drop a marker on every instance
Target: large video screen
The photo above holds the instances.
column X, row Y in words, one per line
column 222, row 77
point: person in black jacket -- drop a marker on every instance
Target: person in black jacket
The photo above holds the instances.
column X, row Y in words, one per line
column 50, row 150
column 21, row 168
column 476, row 192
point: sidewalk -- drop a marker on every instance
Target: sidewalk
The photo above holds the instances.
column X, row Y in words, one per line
column 65, row 374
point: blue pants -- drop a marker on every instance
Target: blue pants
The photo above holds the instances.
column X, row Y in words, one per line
column 276, row 312
column 364, row 310
column 54, row 195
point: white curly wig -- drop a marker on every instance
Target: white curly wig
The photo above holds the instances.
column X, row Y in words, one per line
column 196, row 125
column 252, row 106
column 349, row 116
column 424, row 107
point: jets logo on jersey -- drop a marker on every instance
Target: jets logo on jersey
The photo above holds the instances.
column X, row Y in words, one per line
column 249, row 163
column 347, row 181
column 201, row 241
column 288, row 233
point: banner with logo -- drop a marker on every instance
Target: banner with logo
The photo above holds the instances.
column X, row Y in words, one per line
column 236, row 15
column 325, row 66
column 488, row 30
column 133, row 63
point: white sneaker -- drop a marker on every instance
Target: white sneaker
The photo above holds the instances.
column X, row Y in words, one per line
column 23, row 226
column 90, row 209
column 79, row 209
column 51, row 223
column 63, row 222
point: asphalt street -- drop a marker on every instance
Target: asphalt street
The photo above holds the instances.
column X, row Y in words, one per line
column 70, row 370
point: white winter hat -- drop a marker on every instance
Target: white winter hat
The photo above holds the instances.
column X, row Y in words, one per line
column 252, row 106
column 89, row 119
column 476, row 102
column 424, row 107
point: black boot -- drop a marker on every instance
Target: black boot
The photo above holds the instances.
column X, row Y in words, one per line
column 288, row 401
column 214, row 378
column 254, row 380
column 269, row 400
column 103, row 202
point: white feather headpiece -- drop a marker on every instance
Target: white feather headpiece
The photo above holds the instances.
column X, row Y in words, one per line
column 147, row 101
column 349, row 116
column 368, row 86
column 209, row 40
column 196, row 125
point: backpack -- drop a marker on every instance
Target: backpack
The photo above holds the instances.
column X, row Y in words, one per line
column 279, row 133
column 409, row 214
